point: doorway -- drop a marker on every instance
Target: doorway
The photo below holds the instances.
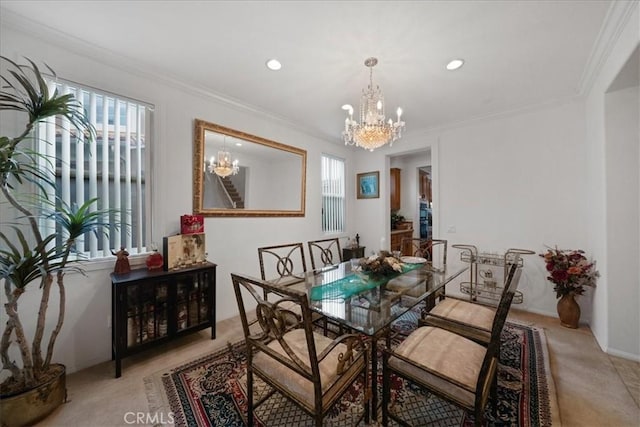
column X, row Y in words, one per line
column 415, row 188
column 426, row 202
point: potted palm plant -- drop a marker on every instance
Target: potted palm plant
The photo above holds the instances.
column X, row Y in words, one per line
column 33, row 385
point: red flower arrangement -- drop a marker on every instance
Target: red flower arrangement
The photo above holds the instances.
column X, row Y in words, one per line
column 570, row 271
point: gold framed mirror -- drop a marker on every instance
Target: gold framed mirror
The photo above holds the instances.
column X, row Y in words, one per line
column 265, row 178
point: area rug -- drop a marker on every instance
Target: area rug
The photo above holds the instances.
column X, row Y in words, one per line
column 211, row 391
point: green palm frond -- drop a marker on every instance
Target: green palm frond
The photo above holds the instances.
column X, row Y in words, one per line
column 22, row 264
column 22, row 166
column 78, row 220
column 30, row 94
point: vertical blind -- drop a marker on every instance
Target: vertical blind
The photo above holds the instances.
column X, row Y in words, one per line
column 110, row 167
column 333, row 191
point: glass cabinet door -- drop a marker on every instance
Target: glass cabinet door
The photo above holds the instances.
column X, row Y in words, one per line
column 147, row 312
column 192, row 306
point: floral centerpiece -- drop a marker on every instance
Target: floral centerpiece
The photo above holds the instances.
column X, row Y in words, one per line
column 383, row 264
column 569, row 271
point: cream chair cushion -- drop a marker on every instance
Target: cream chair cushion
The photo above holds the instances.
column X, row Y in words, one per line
column 450, row 355
column 331, row 382
column 472, row 320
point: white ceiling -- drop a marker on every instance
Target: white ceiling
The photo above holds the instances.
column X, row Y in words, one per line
column 517, row 53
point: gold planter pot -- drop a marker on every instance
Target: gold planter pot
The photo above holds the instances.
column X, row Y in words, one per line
column 33, row 405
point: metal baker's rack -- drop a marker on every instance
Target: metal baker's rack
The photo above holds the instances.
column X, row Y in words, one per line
column 489, row 290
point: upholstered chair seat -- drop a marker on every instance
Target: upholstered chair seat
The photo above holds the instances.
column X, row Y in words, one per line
column 446, row 361
column 330, row 380
column 471, row 320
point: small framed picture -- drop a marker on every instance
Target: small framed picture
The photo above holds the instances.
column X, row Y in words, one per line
column 184, row 251
column 368, row 185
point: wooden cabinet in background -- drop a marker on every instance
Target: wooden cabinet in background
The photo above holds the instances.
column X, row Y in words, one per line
column 395, row 189
column 425, row 186
column 397, row 236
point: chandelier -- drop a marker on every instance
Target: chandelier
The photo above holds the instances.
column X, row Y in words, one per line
column 223, row 166
column 372, row 132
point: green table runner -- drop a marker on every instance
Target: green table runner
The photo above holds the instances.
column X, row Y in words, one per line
column 354, row 284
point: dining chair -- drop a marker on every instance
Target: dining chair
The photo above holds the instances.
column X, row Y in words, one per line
column 287, row 261
column 472, row 320
column 326, row 251
column 433, row 250
column 448, row 365
column 281, row 260
column 308, row 368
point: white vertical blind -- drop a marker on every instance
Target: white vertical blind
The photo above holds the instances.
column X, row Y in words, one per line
column 116, row 171
column 65, row 156
column 104, row 194
column 110, row 167
column 333, row 192
column 127, row 173
column 79, row 167
column 93, row 171
column 139, row 156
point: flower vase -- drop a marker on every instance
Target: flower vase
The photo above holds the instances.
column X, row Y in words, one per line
column 569, row 311
column 155, row 261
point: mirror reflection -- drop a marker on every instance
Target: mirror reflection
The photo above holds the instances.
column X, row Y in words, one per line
column 237, row 174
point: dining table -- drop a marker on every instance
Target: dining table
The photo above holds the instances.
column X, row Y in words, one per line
column 367, row 303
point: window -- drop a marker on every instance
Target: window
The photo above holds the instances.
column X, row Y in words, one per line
column 110, row 168
column 333, row 190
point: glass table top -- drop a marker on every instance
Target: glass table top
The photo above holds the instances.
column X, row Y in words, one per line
column 364, row 302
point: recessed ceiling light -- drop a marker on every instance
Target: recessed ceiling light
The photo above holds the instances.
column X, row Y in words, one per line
column 238, row 144
column 274, row 64
column 455, row 64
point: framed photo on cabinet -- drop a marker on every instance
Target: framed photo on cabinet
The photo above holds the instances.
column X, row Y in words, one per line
column 183, row 251
column 368, row 185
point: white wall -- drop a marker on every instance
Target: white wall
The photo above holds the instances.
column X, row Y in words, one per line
column 515, row 181
column 623, row 220
column 626, row 39
column 231, row 242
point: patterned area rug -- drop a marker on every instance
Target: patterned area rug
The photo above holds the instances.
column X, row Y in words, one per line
column 211, row 391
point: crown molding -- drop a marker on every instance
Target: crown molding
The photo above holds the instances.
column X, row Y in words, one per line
column 615, row 21
column 24, row 25
column 496, row 115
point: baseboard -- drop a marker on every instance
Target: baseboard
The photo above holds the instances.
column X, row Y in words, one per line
column 624, row 355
